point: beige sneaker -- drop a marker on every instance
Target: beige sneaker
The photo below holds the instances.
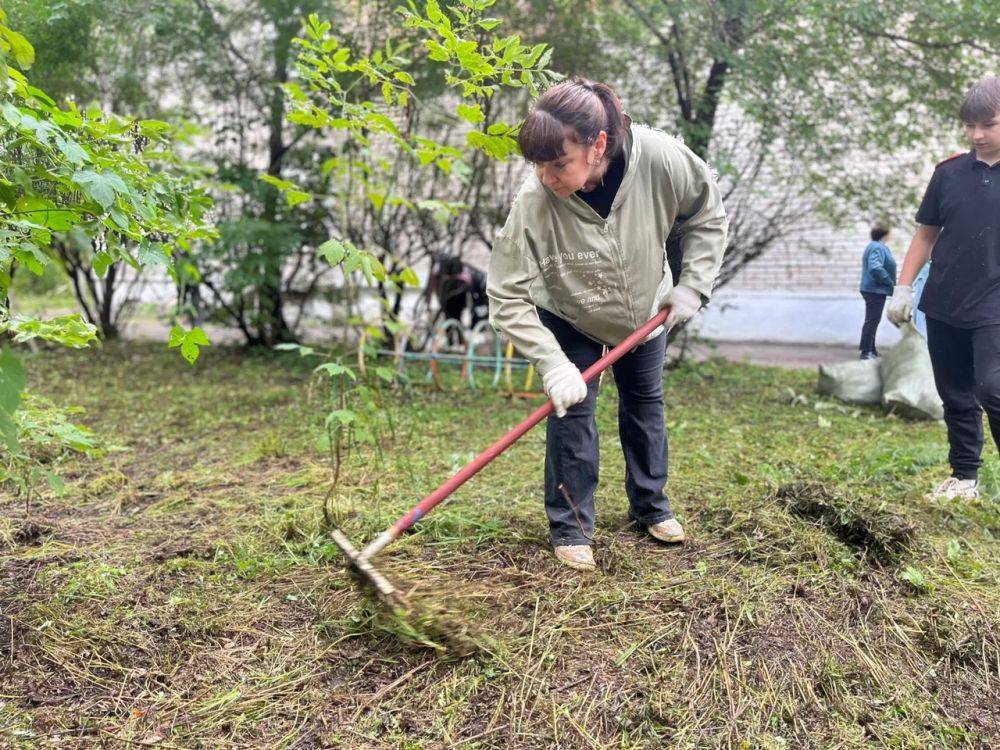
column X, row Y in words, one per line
column 954, row 488
column 576, row 556
column 669, row 531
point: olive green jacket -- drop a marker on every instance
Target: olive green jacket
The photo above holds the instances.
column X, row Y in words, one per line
column 602, row 276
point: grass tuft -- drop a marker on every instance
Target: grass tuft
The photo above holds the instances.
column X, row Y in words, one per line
column 878, row 533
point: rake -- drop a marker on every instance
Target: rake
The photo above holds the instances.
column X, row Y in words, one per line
column 361, row 560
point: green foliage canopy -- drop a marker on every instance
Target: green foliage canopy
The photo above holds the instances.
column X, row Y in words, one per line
column 113, row 181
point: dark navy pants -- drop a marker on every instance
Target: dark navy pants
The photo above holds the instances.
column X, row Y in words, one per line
column 571, row 444
column 966, row 365
column 874, row 304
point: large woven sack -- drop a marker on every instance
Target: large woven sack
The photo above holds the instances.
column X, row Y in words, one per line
column 908, row 380
column 857, row 381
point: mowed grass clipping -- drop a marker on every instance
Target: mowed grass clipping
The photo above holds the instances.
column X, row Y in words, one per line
column 184, row 592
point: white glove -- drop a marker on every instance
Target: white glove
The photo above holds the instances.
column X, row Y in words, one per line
column 564, row 385
column 684, row 302
column 901, row 304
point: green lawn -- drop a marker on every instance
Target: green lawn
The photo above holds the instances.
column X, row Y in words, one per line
column 183, row 592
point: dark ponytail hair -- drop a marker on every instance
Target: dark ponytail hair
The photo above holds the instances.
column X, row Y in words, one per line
column 577, row 109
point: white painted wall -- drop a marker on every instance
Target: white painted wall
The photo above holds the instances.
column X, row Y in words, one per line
column 789, row 318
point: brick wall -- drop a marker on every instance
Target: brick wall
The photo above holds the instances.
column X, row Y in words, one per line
column 813, row 257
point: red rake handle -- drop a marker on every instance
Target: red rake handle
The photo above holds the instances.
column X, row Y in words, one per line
column 472, row 468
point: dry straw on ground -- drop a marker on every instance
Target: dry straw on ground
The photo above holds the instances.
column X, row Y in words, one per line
column 183, row 592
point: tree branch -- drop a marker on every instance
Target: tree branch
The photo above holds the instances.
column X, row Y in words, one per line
column 676, row 70
column 902, row 38
column 227, row 42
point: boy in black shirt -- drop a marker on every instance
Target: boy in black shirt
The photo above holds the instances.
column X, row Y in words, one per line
column 959, row 219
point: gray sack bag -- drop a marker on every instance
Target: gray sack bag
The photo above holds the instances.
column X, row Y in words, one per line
column 908, row 379
column 857, row 381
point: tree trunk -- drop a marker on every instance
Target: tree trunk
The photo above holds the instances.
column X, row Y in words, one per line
column 698, row 109
column 273, row 328
column 5, row 336
column 109, row 331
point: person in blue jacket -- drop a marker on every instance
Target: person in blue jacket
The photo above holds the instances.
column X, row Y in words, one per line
column 878, row 277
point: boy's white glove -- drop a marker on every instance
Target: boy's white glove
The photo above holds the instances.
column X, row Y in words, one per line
column 564, row 385
column 901, row 305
